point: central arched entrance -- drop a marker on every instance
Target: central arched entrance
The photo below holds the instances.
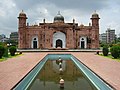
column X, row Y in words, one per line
column 59, row 43
column 59, row 40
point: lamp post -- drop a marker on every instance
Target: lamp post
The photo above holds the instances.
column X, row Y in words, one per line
column 7, row 51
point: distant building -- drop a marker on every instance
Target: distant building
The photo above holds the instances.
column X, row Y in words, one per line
column 3, row 38
column 14, row 36
column 103, row 37
column 110, row 33
column 0, row 37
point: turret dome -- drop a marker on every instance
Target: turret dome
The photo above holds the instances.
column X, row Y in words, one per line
column 22, row 14
column 58, row 18
column 95, row 15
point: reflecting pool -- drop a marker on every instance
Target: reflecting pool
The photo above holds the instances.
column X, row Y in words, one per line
column 65, row 73
column 50, row 74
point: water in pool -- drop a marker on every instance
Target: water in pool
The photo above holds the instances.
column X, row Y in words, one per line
column 53, row 70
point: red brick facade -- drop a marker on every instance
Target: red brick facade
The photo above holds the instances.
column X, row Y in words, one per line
column 58, row 34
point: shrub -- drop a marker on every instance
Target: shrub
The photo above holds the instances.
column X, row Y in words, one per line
column 6, row 52
column 110, row 45
column 105, row 50
column 102, row 44
column 12, row 50
column 2, row 50
column 115, row 51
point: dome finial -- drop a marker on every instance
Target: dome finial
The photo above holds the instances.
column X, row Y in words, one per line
column 95, row 15
column 22, row 13
column 58, row 12
column 95, row 11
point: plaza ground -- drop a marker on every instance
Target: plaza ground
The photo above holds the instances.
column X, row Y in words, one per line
column 14, row 69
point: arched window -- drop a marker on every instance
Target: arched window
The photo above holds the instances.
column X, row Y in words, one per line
column 34, row 42
column 83, row 42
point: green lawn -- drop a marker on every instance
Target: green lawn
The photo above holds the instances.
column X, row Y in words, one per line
column 9, row 56
column 109, row 56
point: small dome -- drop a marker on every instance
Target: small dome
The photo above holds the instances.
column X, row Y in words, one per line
column 58, row 18
column 95, row 15
column 22, row 13
column 81, row 25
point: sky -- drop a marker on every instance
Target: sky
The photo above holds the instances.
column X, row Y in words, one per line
column 80, row 10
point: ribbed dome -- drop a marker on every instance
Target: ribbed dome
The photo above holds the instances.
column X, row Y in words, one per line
column 95, row 15
column 22, row 14
column 58, row 18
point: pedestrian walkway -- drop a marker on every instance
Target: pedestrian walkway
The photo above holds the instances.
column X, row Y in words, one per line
column 107, row 69
column 14, row 69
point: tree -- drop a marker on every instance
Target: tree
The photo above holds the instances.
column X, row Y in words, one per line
column 105, row 50
column 12, row 50
column 115, row 51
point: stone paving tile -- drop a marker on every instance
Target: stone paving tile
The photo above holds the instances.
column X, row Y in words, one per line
column 14, row 69
column 106, row 68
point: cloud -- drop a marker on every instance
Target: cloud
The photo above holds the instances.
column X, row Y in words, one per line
column 8, row 11
column 28, row 4
column 52, row 6
column 65, row 4
column 80, row 4
column 81, row 10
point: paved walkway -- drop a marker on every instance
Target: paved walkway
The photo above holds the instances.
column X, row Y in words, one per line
column 14, row 69
column 106, row 68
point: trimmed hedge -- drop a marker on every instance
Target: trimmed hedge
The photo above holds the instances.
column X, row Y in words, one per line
column 2, row 50
column 115, row 51
column 6, row 52
column 12, row 50
column 105, row 50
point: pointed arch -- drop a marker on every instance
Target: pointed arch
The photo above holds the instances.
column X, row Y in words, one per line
column 59, row 40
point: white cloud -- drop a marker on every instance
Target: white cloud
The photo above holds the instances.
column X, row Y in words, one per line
column 8, row 14
column 108, row 10
column 7, row 7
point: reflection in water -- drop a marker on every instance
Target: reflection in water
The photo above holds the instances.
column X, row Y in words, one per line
column 49, row 76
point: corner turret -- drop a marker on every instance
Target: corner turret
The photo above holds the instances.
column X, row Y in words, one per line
column 95, row 19
column 95, row 29
column 22, row 19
